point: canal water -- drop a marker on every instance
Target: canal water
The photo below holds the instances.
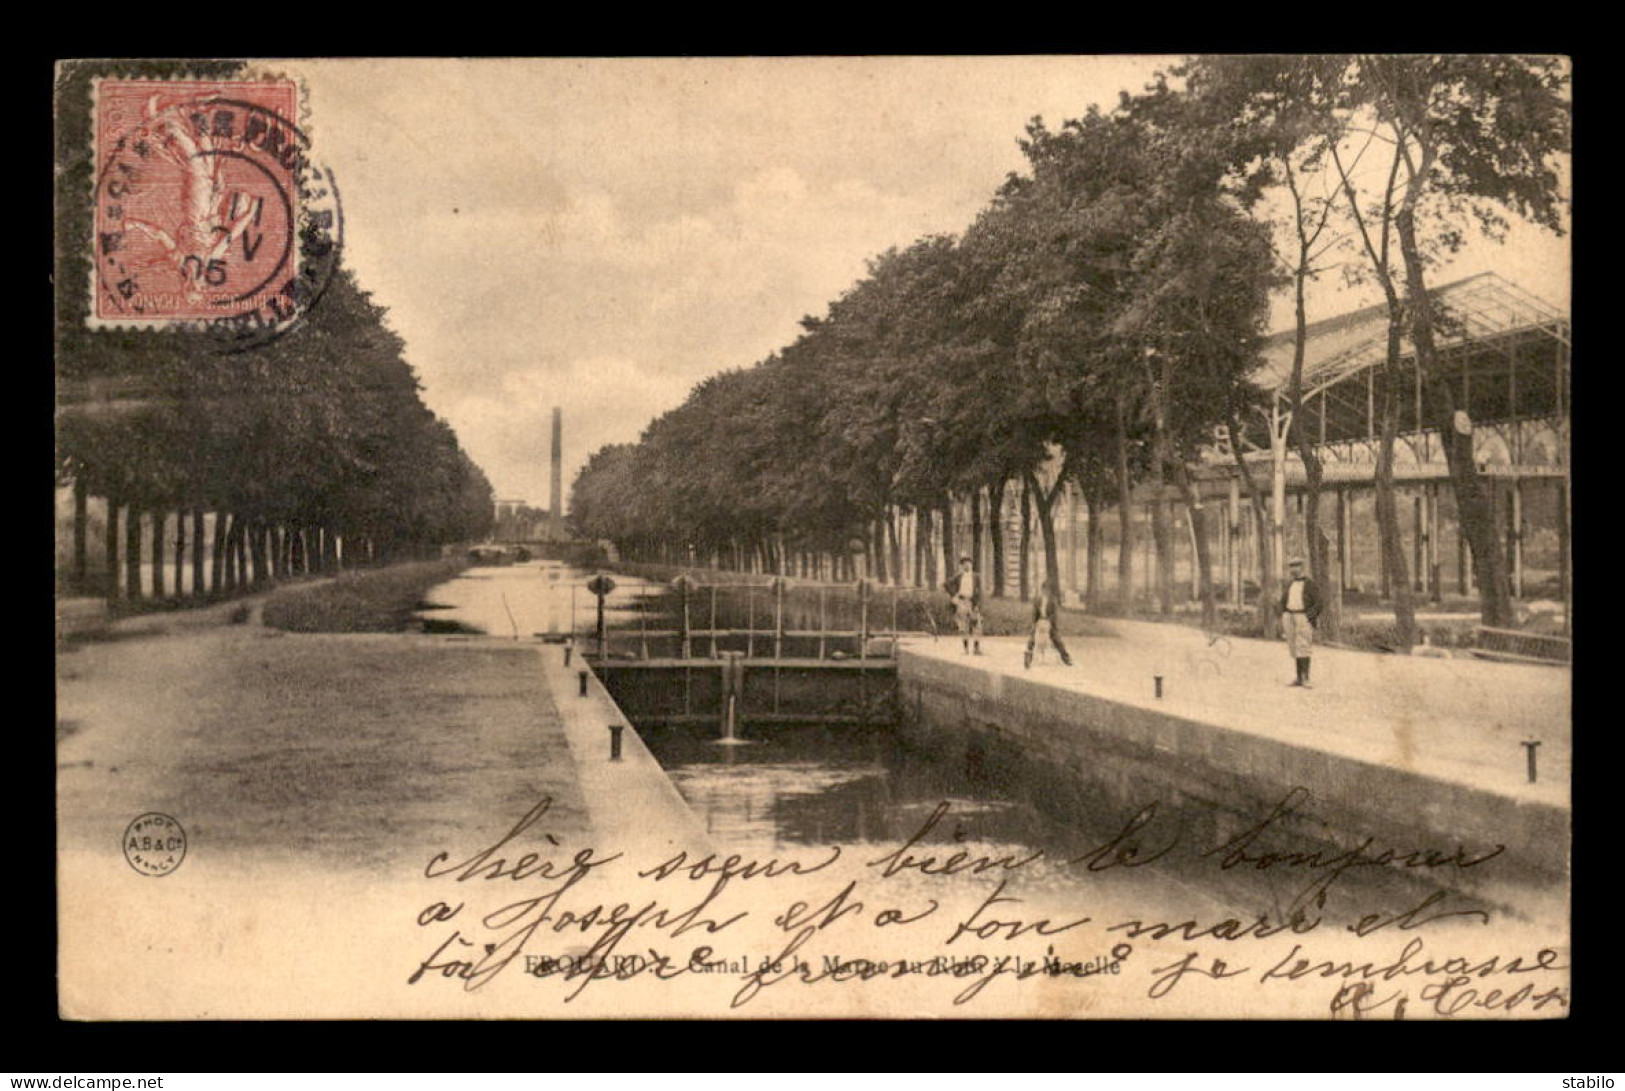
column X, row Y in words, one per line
column 793, row 790
column 790, row 791
column 535, row 598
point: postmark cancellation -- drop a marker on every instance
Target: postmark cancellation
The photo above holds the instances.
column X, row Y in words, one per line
column 210, row 213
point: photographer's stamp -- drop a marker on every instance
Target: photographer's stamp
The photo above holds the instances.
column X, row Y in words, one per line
column 154, row 844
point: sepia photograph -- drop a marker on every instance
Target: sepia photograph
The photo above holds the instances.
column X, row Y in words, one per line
column 1074, row 537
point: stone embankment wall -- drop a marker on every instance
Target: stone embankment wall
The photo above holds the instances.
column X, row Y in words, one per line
column 1095, row 761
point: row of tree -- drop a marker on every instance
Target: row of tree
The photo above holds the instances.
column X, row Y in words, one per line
column 312, row 439
column 1106, row 312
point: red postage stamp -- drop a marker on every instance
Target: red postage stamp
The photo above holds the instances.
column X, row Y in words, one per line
column 209, row 213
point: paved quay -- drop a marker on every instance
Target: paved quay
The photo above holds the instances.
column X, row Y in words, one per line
column 1457, row 720
column 1403, row 747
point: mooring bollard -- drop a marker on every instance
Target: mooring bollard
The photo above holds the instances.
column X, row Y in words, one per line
column 615, row 741
column 1157, row 680
column 601, row 586
column 1529, row 746
column 583, row 676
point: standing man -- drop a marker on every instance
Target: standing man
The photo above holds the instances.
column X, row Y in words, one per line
column 965, row 593
column 1046, row 615
column 1300, row 611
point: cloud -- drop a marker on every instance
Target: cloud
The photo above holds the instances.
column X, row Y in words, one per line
column 615, row 319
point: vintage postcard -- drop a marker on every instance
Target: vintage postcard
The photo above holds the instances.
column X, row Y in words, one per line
column 1072, row 537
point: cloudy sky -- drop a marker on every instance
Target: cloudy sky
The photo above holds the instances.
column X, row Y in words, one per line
column 602, row 234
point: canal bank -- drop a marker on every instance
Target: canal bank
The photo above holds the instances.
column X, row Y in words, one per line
column 1413, row 753
column 317, row 779
column 629, row 799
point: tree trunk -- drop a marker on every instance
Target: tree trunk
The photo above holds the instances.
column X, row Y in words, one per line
column 1026, row 538
column 1202, row 561
column 1330, row 625
column 132, row 554
column 110, row 553
column 236, row 570
column 1388, row 530
column 1045, row 503
column 887, row 556
column 995, row 525
column 1474, row 512
column 158, row 553
column 1315, row 543
column 1267, row 590
column 81, row 542
column 244, row 576
column 975, row 531
column 1164, row 546
column 950, row 563
column 1125, row 518
column 257, row 553
column 247, row 575
column 228, row 560
column 895, row 546
column 199, row 588
column 180, row 552
column 1093, row 566
column 930, row 557
column 921, row 544
column 217, row 571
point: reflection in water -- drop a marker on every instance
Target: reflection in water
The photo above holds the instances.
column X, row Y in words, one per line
column 790, row 790
column 813, row 785
column 544, row 598
column 802, row 788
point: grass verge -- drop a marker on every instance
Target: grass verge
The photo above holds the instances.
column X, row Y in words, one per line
column 374, row 600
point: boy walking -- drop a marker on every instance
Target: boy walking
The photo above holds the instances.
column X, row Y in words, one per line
column 1300, row 610
column 965, row 594
column 1046, row 615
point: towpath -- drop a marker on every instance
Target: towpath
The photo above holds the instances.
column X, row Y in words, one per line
column 1459, row 720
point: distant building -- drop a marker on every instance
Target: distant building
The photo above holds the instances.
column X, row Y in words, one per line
column 516, row 521
column 1505, row 354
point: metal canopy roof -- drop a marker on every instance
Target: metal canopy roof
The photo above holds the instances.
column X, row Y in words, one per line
column 1471, row 309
